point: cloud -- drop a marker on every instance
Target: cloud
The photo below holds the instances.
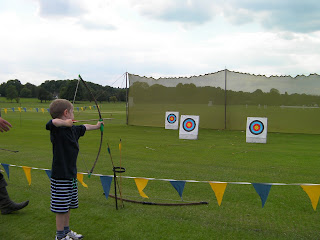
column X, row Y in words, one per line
column 190, row 11
column 60, row 8
column 91, row 25
column 284, row 15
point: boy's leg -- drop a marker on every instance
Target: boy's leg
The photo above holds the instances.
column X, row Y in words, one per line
column 62, row 220
column 74, row 204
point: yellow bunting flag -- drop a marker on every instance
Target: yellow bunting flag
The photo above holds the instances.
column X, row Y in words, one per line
column 90, row 107
column 218, row 189
column 80, row 179
column 141, row 184
column 42, row 109
column 81, row 108
column 19, row 108
column 27, row 172
column 5, row 111
column 313, row 192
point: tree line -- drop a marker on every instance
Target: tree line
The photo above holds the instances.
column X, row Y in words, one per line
column 13, row 90
column 141, row 92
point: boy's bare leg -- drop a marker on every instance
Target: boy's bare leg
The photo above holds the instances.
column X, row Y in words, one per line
column 62, row 220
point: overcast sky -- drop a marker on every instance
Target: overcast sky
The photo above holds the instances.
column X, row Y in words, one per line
column 101, row 39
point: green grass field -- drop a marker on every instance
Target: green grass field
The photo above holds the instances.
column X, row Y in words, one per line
column 154, row 152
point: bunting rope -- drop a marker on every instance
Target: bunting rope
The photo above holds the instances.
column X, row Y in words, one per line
column 187, row 181
column 263, row 189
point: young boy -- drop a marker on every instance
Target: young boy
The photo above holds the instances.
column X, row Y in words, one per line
column 64, row 190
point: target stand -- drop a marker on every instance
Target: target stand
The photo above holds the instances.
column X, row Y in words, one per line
column 256, row 131
column 172, row 120
column 189, row 126
column 115, row 171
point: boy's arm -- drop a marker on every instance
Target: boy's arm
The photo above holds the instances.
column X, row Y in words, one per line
column 93, row 127
column 62, row 123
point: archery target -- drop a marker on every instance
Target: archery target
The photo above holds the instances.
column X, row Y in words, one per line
column 256, row 131
column 172, row 120
column 189, row 126
column 256, row 127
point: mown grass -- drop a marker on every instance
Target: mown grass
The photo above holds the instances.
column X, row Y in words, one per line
column 158, row 153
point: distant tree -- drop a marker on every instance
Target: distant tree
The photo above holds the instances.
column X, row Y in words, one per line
column 25, row 93
column 11, row 93
column 15, row 83
column 121, row 94
column 101, row 95
column 33, row 89
column 274, row 91
column 44, row 95
column 3, row 89
column 68, row 91
column 113, row 99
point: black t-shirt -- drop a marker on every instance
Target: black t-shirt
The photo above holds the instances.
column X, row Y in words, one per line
column 65, row 150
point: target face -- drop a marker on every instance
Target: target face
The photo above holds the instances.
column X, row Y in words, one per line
column 256, row 127
column 189, row 125
column 172, row 118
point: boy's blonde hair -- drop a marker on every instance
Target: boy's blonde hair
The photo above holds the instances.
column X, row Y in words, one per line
column 58, row 106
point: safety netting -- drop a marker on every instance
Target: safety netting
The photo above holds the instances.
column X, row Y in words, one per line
column 225, row 99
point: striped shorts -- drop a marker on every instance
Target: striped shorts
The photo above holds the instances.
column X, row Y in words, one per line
column 64, row 195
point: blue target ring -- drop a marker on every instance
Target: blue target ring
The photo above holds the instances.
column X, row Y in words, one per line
column 189, row 125
column 256, row 127
column 172, row 118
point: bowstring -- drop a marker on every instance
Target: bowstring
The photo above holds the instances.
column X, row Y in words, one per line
column 80, row 154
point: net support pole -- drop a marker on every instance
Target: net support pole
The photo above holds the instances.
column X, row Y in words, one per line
column 225, row 98
column 127, row 103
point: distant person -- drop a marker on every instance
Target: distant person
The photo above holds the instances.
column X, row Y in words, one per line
column 64, row 188
column 6, row 204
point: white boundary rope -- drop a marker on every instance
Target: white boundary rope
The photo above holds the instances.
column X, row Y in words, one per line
column 190, row 181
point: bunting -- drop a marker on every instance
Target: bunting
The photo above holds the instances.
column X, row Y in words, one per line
column 6, row 168
column 48, row 172
column 179, row 186
column 313, row 192
column 80, row 179
column 27, row 172
column 31, row 109
column 219, row 189
column 263, row 189
column 106, row 183
column 141, row 184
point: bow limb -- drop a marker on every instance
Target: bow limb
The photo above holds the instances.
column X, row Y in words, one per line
column 101, row 126
column 161, row 204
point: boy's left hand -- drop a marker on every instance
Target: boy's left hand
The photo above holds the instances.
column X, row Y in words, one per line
column 99, row 123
